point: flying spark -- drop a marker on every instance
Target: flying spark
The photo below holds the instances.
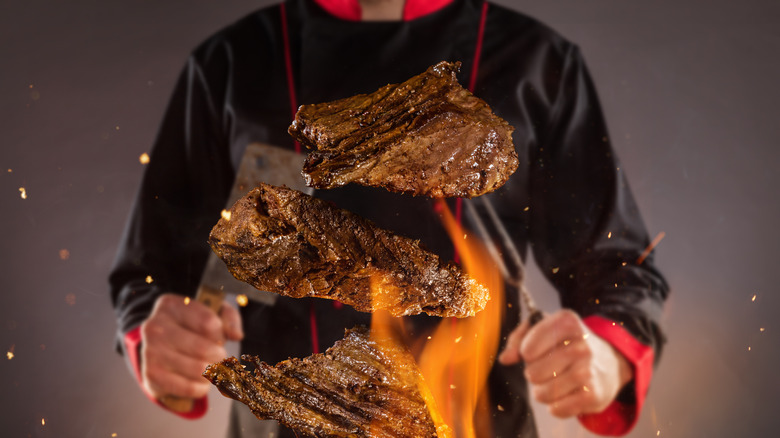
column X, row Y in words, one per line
column 242, row 300
column 650, row 247
column 10, row 355
column 64, row 254
column 754, row 297
column 186, row 301
column 149, row 279
column 144, row 158
column 226, row 215
column 23, row 192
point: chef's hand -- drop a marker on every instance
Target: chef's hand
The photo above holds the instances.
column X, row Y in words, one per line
column 179, row 339
column 571, row 370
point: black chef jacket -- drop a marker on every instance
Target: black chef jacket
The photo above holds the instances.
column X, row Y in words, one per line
column 568, row 201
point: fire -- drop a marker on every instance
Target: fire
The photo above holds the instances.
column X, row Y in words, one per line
column 456, row 359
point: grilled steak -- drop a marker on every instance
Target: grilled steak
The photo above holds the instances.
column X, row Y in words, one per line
column 359, row 387
column 283, row 241
column 426, row 136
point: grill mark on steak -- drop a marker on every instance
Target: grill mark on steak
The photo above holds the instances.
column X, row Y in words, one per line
column 426, row 136
column 283, row 241
column 359, row 387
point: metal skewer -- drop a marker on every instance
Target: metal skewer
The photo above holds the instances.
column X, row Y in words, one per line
column 515, row 279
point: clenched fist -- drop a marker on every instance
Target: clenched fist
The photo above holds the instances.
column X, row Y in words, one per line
column 179, row 339
column 571, row 370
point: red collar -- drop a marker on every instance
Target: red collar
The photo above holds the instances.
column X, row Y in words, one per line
column 350, row 9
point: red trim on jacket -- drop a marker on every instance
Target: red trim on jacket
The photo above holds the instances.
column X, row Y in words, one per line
column 419, row 8
column 619, row 418
column 350, row 9
column 132, row 344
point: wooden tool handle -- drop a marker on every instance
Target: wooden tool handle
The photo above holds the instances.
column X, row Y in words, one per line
column 213, row 299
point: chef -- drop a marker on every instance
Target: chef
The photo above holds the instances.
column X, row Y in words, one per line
column 568, row 204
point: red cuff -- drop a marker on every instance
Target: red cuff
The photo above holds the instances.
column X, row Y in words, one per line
column 132, row 342
column 619, row 418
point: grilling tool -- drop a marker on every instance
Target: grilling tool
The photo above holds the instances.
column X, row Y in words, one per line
column 260, row 163
column 514, row 277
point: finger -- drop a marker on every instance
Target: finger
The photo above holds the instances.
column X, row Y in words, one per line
column 556, row 362
column 176, row 363
column 556, row 389
column 575, row 403
column 511, row 353
column 193, row 315
column 231, row 322
column 558, row 328
column 165, row 334
column 159, row 381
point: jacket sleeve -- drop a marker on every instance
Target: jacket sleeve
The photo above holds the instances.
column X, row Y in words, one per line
column 183, row 189
column 589, row 239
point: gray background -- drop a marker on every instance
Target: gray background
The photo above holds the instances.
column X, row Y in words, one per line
column 691, row 96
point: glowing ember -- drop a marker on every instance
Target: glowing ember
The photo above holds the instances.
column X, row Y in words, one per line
column 609, row 235
column 242, row 300
column 64, row 254
column 144, row 158
column 70, row 299
column 43, row 422
column 555, row 270
column 113, row 435
column 650, row 247
column 754, row 298
column 149, row 279
column 761, row 329
column 22, row 192
column 226, row 215
column 186, row 301
column 10, row 355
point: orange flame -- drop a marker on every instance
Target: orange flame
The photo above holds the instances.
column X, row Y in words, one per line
column 457, row 358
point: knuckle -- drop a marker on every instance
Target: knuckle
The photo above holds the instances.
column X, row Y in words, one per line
column 583, row 374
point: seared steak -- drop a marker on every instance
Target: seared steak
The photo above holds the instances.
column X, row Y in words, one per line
column 426, row 136
column 283, row 241
column 360, row 387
